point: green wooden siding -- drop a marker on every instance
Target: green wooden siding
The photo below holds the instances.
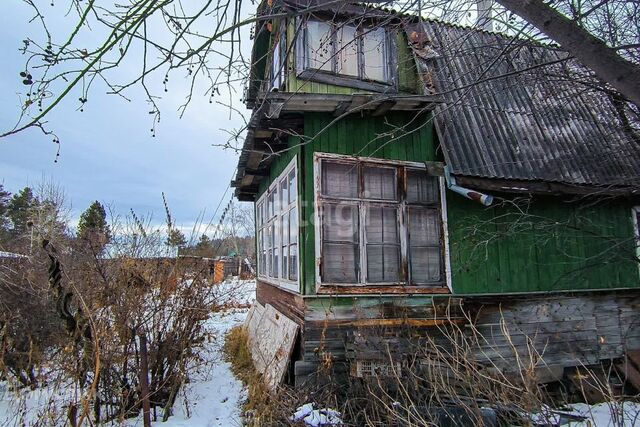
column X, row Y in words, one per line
column 541, row 245
column 538, row 245
column 395, row 136
column 408, row 80
column 279, row 164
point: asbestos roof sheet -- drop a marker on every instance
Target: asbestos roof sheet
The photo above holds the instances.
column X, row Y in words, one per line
column 516, row 110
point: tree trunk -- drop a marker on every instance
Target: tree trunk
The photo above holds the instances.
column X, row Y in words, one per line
column 589, row 50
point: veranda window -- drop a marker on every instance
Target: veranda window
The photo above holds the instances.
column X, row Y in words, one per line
column 372, row 214
column 277, row 230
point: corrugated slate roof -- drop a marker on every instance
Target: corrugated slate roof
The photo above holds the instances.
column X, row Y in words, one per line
column 513, row 110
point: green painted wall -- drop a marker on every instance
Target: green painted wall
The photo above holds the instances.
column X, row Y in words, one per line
column 519, row 245
column 544, row 244
column 366, row 136
column 279, row 163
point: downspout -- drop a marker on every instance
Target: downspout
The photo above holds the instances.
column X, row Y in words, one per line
column 485, row 199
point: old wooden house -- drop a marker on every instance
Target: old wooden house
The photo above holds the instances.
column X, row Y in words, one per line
column 414, row 173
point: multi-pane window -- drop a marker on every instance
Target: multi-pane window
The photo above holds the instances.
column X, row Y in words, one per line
column 374, row 214
column 278, row 60
column 347, row 50
column 277, row 230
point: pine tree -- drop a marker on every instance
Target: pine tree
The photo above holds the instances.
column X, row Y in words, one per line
column 176, row 238
column 93, row 229
column 20, row 209
column 5, row 198
column 204, row 247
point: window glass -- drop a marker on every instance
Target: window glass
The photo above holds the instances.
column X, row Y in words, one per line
column 382, row 225
column 284, row 192
column 269, row 206
column 277, row 231
column 380, row 183
column 293, row 262
column 340, row 243
column 276, row 201
column 374, row 54
column 347, row 51
column 339, row 179
column 424, row 245
column 425, row 264
column 421, row 188
column 383, row 263
column 383, row 244
column 340, row 222
column 424, row 226
column 259, row 254
column 276, row 66
column 293, row 225
column 285, row 244
column 293, row 187
column 269, row 250
column 276, row 246
column 339, row 262
column 259, row 214
column 319, row 45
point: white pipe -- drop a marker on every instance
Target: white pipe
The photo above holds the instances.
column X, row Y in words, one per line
column 485, row 199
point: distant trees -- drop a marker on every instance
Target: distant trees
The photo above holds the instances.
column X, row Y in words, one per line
column 5, row 197
column 203, row 248
column 93, row 229
column 207, row 247
column 32, row 214
column 29, row 211
column 176, row 238
column 20, row 210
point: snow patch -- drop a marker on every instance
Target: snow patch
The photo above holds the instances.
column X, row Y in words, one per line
column 317, row 417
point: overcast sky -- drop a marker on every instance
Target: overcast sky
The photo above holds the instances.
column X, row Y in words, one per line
column 107, row 151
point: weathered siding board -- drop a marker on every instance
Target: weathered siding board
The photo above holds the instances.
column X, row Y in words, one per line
column 284, row 301
column 564, row 330
column 550, row 245
column 548, row 332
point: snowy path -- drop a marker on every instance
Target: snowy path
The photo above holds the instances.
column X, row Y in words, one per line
column 214, row 396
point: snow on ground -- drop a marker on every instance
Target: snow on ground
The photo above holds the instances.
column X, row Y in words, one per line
column 212, row 398
column 317, row 417
column 42, row 405
column 608, row 414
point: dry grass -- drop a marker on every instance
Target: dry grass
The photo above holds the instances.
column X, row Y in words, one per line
column 263, row 406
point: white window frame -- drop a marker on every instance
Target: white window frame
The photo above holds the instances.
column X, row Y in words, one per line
column 403, row 207
column 262, row 226
column 304, row 55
